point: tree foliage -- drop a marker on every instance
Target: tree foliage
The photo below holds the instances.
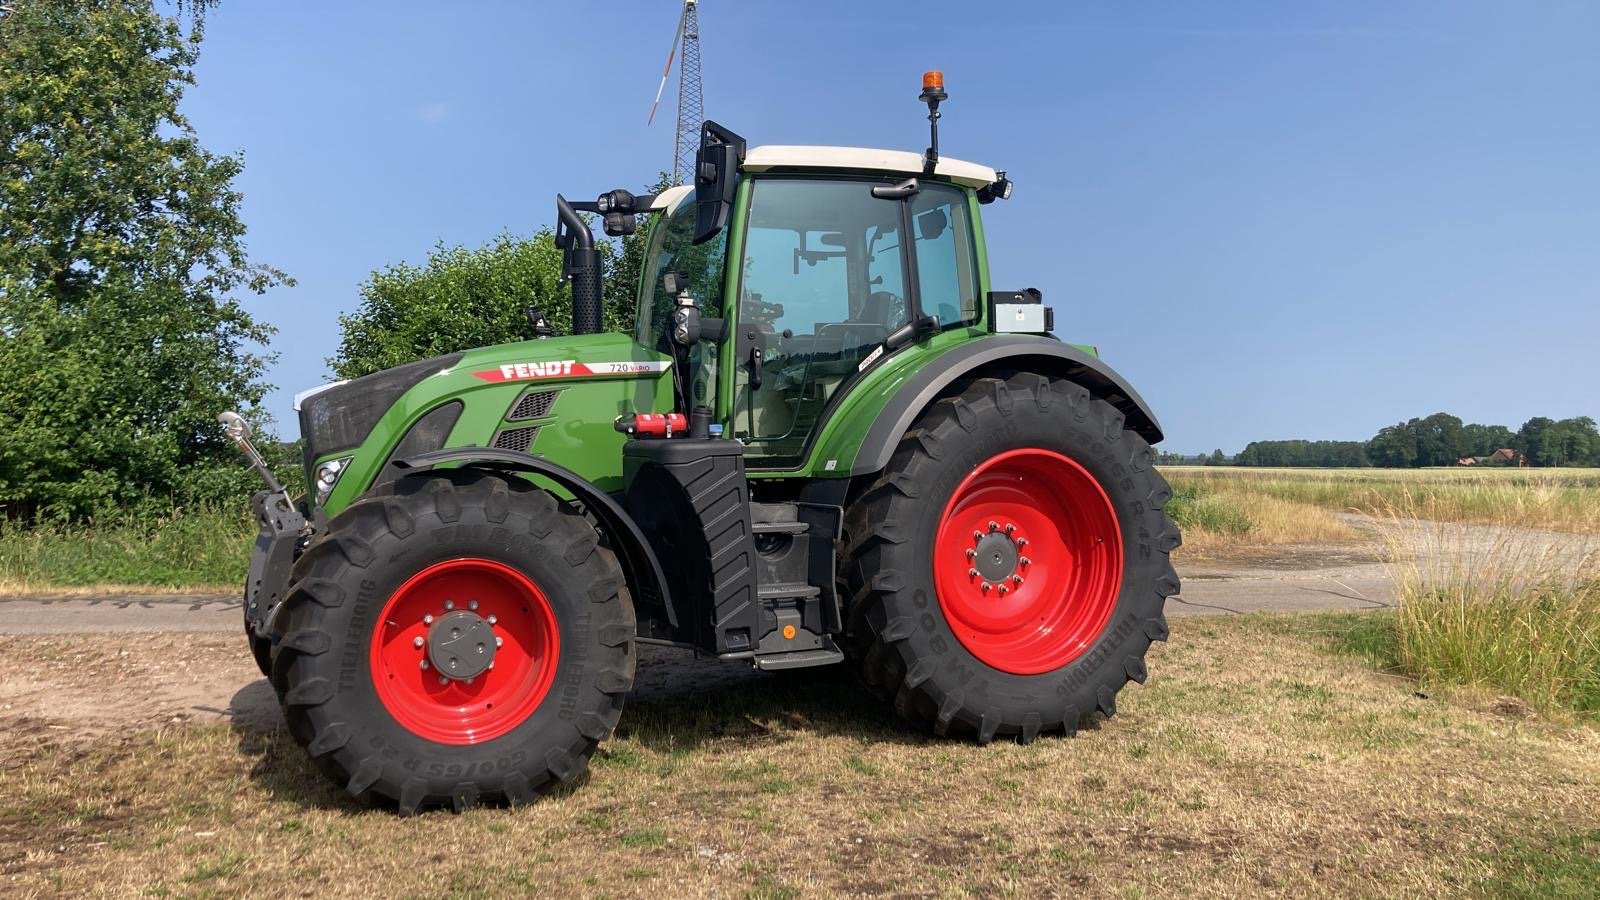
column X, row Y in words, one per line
column 463, row 298
column 121, row 254
column 1344, row 454
column 1439, row 440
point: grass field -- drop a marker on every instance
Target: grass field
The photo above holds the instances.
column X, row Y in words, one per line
column 1259, row 759
column 189, row 549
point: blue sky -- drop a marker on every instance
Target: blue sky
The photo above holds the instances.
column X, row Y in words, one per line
column 1276, row 219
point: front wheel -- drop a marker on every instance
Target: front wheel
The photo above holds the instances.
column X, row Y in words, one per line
column 1007, row 571
column 460, row 639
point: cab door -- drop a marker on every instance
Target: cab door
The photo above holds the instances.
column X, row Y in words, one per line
column 828, row 275
column 823, row 284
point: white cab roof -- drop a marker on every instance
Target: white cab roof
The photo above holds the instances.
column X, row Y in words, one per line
column 788, row 156
column 669, row 198
column 782, row 156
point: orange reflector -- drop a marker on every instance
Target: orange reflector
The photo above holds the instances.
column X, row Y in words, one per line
column 788, row 632
column 933, row 81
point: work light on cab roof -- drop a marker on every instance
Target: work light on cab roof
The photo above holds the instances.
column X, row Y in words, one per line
column 826, row 439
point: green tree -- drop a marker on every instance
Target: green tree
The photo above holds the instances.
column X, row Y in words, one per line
column 1394, row 446
column 1530, row 439
column 121, row 255
column 1570, row 442
column 1484, row 440
column 1216, row 458
column 463, row 298
column 1440, row 440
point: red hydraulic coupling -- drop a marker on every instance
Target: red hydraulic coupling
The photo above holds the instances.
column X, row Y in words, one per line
column 661, row 425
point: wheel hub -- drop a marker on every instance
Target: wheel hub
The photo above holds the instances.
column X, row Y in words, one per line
column 996, row 559
column 461, row 645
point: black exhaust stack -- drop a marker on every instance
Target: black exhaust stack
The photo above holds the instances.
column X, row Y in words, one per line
column 581, row 262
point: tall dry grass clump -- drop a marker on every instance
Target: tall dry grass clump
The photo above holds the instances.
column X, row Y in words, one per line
column 1502, row 607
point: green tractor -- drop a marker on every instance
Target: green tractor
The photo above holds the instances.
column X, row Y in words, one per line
column 827, row 441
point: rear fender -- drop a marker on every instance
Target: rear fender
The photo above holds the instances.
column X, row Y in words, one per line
column 1021, row 353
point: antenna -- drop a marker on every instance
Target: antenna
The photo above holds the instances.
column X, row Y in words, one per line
column 691, row 107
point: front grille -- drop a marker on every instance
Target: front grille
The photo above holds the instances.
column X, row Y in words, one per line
column 518, row 439
column 532, row 405
column 340, row 418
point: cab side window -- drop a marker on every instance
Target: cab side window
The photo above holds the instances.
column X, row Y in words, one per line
column 947, row 271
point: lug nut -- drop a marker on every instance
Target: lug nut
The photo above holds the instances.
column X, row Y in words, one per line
column 1010, row 528
column 986, row 586
column 1022, row 542
column 449, row 604
column 972, row 573
column 977, row 535
column 1016, row 579
column 499, row 640
column 417, row 642
column 427, row 620
column 491, row 664
column 994, row 526
column 1004, row 590
column 443, row 680
column 493, row 620
column 469, row 679
column 472, row 604
column 424, row 664
column 971, row 553
column 1025, row 561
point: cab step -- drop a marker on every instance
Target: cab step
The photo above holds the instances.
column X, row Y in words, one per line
column 799, row 659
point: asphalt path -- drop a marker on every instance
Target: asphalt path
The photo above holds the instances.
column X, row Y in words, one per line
column 1339, row 582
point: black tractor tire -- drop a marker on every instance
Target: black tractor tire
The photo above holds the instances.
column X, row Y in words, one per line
column 899, row 633
column 326, row 656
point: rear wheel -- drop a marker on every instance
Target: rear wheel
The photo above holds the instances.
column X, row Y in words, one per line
column 458, row 640
column 1007, row 571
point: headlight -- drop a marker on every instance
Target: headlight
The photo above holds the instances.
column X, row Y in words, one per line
column 327, row 476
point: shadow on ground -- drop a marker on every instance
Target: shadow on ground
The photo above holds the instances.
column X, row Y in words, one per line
column 680, row 703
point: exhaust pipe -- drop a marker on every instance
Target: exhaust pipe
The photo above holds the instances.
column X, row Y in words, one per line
column 581, row 263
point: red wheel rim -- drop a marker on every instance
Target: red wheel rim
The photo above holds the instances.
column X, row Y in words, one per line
column 455, row 710
column 1053, row 600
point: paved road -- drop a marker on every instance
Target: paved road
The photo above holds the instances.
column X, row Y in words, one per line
column 1210, row 590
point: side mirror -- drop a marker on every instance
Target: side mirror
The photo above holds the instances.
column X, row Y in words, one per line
column 234, row 427
column 716, row 175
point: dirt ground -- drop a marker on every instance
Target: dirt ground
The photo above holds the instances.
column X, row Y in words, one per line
column 142, row 753
column 1254, row 762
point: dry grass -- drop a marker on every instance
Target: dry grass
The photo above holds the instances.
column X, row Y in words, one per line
column 1220, row 517
column 1254, row 762
column 1566, row 500
column 1502, row 607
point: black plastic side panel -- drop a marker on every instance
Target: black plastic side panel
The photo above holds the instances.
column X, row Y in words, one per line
column 1021, row 352
column 692, row 499
column 427, row 433
column 646, row 579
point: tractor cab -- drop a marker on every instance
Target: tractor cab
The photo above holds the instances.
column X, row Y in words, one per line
column 829, row 284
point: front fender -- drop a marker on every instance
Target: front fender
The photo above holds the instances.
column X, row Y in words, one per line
column 646, row 579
